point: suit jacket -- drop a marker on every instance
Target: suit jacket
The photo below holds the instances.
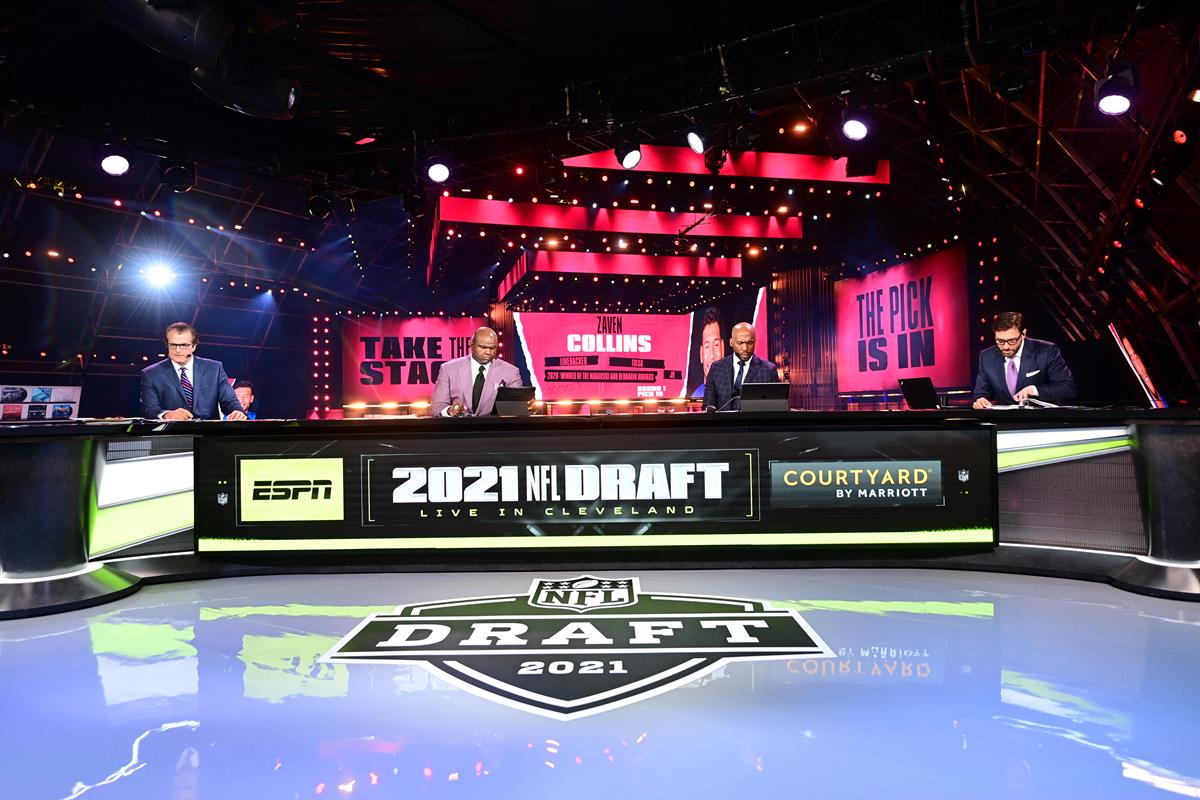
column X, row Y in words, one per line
column 456, row 380
column 718, row 388
column 1042, row 365
column 210, row 389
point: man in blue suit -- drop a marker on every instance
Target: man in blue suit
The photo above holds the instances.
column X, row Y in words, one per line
column 183, row 386
column 1019, row 368
column 723, row 387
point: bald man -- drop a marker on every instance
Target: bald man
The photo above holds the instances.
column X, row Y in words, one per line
column 467, row 386
column 723, row 387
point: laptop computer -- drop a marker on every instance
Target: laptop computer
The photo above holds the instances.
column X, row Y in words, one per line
column 765, row 396
column 514, row 401
column 919, row 393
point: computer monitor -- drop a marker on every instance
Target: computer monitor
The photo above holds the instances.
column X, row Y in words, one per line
column 919, row 393
column 513, row 401
column 765, row 396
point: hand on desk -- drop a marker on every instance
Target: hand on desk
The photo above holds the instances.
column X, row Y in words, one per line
column 1025, row 394
column 236, row 416
column 179, row 413
column 982, row 402
column 456, row 409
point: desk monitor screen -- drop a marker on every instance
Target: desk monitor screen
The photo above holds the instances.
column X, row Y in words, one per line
column 765, row 396
column 513, row 401
column 919, row 393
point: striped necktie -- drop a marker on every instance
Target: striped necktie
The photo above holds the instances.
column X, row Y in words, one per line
column 186, row 385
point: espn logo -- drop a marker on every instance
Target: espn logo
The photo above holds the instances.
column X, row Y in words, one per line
column 290, row 489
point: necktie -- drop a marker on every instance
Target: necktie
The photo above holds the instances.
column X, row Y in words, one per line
column 477, row 391
column 737, row 382
column 1012, row 376
column 186, row 385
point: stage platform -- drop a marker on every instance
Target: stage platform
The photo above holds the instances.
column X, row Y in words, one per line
column 928, row 683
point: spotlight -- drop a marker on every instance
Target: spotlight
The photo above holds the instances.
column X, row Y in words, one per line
column 436, row 167
column 115, row 159
column 699, row 137
column 628, row 150
column 159, row 275
column 178, row 175
column 320, row 205
column 1011, row 80
column 1115, row 93
column 855, row 124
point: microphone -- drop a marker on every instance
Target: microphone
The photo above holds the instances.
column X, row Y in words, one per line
column 715, row 409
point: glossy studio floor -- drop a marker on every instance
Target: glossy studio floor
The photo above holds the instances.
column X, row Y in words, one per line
column 927, row 684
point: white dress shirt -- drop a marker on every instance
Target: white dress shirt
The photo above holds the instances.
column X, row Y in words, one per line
column 1017, row 360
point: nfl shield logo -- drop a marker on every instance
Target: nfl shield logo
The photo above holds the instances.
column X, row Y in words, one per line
column 964, row 475
column 584, row 593
column 222, row 499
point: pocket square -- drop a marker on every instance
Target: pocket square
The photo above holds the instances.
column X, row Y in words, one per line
column 1031, row 374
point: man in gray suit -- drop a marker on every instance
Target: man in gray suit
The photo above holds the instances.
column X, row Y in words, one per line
column 183, row 386
column 467, row 385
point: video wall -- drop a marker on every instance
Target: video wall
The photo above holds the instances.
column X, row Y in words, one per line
column 904, row 322
column 565, row 356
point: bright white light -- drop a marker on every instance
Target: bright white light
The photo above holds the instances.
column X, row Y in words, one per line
column 115, row 164
column 696, row 142
column 1113, row 104
column 438, row 172
column 159, row 275
column 854, row 129
column 632, row 158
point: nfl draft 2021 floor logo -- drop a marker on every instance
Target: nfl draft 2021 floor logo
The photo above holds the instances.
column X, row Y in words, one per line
column 575, row 647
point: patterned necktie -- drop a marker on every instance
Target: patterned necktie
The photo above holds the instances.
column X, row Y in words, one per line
column 1012, row 376
column 477, row 390
column 737, row 382
column 186, row 385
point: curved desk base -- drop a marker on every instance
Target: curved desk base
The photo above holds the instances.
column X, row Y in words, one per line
column 33, row 597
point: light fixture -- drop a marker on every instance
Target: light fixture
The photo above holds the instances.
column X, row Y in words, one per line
column 855, row 124
column 436, row 167
column 320, row 205
column 159, row 275
column 628, row 150
column 1114, row 95
column 699, row 137
column 177, row 175
column 115, row 158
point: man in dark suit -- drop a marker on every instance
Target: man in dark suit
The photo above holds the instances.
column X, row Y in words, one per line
column 723, row 387
column 1019, row 368
column 182, row 386
column 467, row 386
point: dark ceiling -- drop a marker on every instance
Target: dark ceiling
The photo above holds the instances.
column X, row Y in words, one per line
column 993, row 99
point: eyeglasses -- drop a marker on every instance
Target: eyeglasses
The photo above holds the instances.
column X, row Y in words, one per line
column 1009, row 341
column 180, row 346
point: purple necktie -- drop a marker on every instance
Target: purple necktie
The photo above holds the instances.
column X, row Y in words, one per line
column 186, row 386
column 1012, row 377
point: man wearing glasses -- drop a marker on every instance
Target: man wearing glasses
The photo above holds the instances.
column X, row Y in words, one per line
column 184, row 386
column 1019, row 368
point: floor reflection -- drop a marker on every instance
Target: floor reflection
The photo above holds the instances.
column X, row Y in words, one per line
column 942, row 684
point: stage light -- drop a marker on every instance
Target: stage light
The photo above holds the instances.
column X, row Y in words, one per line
column 177, row 175
column 159, row 275
column 115, row 159
column 320, row 205
column 628, row 150
column 699, row 137
column 1115, row 93
column 855, row 125
column 436, row 167
column 365, row 140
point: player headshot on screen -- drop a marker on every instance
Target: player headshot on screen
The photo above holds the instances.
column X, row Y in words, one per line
column 245, row 395
column 185, row 386
column 467, row 386
column 712, row 346
column 1019, row 367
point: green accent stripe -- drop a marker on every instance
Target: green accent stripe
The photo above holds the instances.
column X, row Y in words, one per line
column 942, row 608
column 1013, row 459
column 129, row 523
column 957, row 536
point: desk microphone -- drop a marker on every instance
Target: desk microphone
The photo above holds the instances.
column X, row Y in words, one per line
column 715, row 409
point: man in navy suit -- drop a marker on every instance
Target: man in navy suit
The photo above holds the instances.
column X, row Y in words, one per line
column 183, row 386
column 1019, row 368
column 723, row 387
